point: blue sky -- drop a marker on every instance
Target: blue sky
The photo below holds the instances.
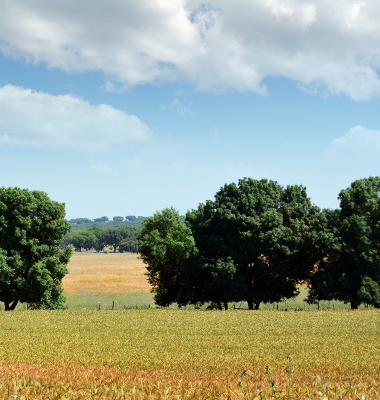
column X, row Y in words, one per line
column 125, row 107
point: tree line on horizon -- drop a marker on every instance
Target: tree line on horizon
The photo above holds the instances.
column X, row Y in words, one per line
column 118, row 218
column 257, row 241
column 123, row 239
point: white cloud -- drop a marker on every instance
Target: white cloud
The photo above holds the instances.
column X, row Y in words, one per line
column 29, row 118
column 357, row 143
column 332, row 46
column 355, row 155
column 177, row 106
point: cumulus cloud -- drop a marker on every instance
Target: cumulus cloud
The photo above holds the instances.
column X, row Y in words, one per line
column 355, row 155
column 30, row 118
column 358, row 142
column 328, row 46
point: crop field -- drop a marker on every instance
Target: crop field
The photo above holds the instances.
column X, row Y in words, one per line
column 190, row 354
column 132, row 352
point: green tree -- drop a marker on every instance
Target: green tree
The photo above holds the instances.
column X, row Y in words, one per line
column 77, row 240
column 85, row 239
column 32, row 264
column 369, row 292
column 118, row 218
column 354, row 253
column 113, row 236
column 259, row 226
column 101, row 219
column 167, row 246
column 100, row 239
column 130, row 245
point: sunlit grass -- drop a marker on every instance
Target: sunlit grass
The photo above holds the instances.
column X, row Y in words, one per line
column 99, row 272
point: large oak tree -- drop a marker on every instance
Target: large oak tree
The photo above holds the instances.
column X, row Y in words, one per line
column 32, row 264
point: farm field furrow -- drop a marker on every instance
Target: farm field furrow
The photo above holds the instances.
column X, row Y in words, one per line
column 192, row 350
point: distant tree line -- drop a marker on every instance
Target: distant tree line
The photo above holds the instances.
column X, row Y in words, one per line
column 124, row 238
column 257, row 241
column 104, row 222
column 118, row 218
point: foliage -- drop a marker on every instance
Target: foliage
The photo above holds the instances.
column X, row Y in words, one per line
column 167, row 246
column 101, row 219
column 118, row 218
column 80, row 221
column 251, row 242
column 98, row 239
column 369, row 292
column 130, row 245
column 32, row 264
column 352, row 250
column 85, row 239
column 105, row 225
column 113, row 236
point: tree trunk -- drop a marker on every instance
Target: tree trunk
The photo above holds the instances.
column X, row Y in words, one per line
column 10, row 307
column 257, row 305
column 219, row 305
column 114, row 248
column 354, row 306
column 225, row 305
column 250, row 304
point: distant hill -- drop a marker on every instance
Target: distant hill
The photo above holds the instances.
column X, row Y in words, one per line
column 104, row 222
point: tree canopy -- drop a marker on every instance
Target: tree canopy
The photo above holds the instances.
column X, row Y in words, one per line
column 167, row 246
column 257, row 226
column 32, row 264
column 248, row 244
column 98, row 239
column 350, row 271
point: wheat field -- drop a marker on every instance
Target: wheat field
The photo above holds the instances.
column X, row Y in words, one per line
column 178, row 354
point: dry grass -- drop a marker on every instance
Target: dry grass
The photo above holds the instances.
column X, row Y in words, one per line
column 98, row 272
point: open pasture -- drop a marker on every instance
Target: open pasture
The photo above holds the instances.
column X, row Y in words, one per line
column 99, row 272
column 178, row 354
column 103, row 278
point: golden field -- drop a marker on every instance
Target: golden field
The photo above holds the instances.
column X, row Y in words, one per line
column 112, row 272
column 178, row 354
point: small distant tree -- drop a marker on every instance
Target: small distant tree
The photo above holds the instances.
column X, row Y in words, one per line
column 83, row 239
column 130, row 245
column 80, row 221
column 369, row 292
column 130, row 218
column 32, row 264
column 118, row 219
column 101, row 219
column 113, row 236
column 77, row 240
